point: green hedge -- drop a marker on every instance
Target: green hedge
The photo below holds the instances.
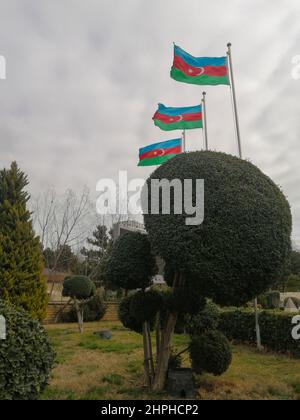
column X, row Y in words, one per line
column 276, row 329
column 26, row 356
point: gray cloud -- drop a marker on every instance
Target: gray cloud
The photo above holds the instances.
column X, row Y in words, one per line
column 84, row 78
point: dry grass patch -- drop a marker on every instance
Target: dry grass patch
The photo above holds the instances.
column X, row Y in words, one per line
column 92, row 368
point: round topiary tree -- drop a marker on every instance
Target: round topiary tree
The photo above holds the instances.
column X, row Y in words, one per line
column 132, row 264
column 26, row 357
column 80, row 289
column 93, row 310
column 210, row 353
column 238, row 251
column 204, row 321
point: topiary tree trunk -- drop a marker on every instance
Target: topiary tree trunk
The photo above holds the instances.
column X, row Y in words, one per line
column 79, row 311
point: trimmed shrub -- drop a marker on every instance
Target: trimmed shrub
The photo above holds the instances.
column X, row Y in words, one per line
column 185, row 300
column 126, row 317
column 210, row 353
column 26, row 357
column 206, row 320
column 93, row 310
column 293, row 283
column 79, row 287
column 275, row 328
column 239, row 250
column 145, row 305
column 132, row 264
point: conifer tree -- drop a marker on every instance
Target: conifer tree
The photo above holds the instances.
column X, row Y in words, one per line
column 21, row 261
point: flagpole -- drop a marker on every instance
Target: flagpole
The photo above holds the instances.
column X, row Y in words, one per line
column 229, row 54
column 232, row 86
column 205, row 120
column 183, row 141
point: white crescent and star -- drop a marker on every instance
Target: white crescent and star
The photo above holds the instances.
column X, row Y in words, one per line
column 201, row 69
column 159, row 152
column 174, row 119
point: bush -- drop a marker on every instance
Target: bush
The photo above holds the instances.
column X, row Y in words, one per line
column 206, row 320
column 26, row 357
column 126, row 317
column 93, row 310
column 132, row 264
column 145, row 305
column 275, row 328
column 210, row 353
column 239, row 250
column 79, row 287
column 185, row 300
column 270, row 300
column 293, row 283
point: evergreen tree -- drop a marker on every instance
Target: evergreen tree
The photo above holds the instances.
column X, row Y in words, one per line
column 97, row 256
column 21, row 261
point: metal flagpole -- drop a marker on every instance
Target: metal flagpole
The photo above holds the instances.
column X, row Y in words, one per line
column 232, row 86
column 183, row 141
column 204, row 120
column 229, row 54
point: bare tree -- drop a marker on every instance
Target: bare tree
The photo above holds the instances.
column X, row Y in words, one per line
column 61, row 220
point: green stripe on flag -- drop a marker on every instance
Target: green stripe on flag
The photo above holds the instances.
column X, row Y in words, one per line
column 179, row 125
column 203, row 79
column 156, row 160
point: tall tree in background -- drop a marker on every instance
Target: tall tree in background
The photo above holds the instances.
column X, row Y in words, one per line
column 21, row 261
column 96, row 257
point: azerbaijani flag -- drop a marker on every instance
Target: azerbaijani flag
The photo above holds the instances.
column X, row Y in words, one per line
column 167, row 118
column 158, row 153
column 199, row 70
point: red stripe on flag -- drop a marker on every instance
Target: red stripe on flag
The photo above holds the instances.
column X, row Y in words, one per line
column 161, row 152
column 191, row 71
column 169, row 119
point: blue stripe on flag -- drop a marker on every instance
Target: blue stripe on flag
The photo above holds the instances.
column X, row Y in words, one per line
column 161, row 145
column 199, row 61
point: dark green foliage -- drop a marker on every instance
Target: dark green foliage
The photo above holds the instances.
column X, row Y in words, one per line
column 295, row 263
column 185, row 300
column 275, row 326
column 79, row 287
column 132, row 264
column 21, row 261
column 26, row 357
column 93, row 310
column 144, row 305
column 61, row 259
column 240, row 249
column 127, row 317
column 206, row 320
column 270, row 300
column 139, row 307
column 210, row 353
column 293, row 283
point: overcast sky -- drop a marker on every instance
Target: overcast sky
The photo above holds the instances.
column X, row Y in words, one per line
column 84, row 79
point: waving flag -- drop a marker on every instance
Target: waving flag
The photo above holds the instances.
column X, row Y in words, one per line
column 199, row 70
column 168, row 119
column 158, row 153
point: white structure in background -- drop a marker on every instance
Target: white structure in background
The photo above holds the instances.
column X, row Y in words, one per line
column 290, row 306
column 2, row 328
column 121, row 228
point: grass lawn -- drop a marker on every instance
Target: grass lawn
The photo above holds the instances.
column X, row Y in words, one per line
column 95, row 369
